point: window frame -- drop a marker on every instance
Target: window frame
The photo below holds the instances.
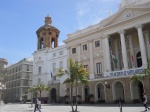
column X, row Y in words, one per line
column 99, row 68
column 84, row 47
column 97, row 43
column 73, row 50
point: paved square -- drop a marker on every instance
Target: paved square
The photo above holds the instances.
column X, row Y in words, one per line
column 67, row 108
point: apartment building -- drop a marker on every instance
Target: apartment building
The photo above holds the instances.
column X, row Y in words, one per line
column 19, row 78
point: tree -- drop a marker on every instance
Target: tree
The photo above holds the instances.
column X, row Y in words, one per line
column 76, row 73
column 41, row 87
column 142, row 75
column 32, row 90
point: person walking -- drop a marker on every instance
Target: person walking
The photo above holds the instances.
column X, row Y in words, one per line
column 36, row 105
column 145, row 102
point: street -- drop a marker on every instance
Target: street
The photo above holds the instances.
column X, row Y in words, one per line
column 66, row 108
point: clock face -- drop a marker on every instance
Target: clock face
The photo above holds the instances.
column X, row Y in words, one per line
column 127, row 14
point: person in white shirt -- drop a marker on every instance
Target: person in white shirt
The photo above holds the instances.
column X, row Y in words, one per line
column 145, row 102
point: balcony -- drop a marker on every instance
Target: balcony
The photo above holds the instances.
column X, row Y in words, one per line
column 53, row 82
column 99, row 75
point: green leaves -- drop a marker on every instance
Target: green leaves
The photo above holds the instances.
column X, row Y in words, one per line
column 75, row 71
column 142, row 75
column 42, row 87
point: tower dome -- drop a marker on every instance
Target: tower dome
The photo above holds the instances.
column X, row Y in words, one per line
column 47, row 35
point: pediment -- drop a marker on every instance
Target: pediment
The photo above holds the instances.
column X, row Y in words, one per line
column 128, row 13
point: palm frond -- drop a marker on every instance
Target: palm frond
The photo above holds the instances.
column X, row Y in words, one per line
column 68, row 80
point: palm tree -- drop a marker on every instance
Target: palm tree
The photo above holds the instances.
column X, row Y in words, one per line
column 142, row 75
column 76, row 73
column 41, row 87
column 32, row 90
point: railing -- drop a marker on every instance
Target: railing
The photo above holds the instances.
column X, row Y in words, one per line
column 100, row 75
column 53, row 82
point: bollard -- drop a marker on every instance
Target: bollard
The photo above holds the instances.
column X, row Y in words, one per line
column 120, row 104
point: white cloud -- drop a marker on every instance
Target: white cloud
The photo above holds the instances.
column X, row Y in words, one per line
column 89, row 13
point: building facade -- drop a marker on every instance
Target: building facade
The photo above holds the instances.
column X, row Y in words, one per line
column 114, row 50
column 3, row 65
column 19, row 78
column 47, row 58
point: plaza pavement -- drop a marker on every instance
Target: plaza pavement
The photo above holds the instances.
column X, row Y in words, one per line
column 67, row 108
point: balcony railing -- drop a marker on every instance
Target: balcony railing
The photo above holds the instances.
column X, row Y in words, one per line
column 51, row 82
column 100, row 75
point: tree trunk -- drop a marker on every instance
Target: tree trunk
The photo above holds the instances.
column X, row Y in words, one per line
column 71, row 97
column 40, row 99
column 76, row 97
column 31, row 100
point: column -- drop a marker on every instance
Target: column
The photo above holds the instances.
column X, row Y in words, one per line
column 68, row 52
column 146, row 34
column 131, row 51
column 79, row 49
column 116, row 53
column 124, row 50
column 91, row 59
column 142, row 45
column 107, row 51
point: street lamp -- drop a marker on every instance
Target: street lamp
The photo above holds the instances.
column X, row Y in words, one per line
column 2, row 87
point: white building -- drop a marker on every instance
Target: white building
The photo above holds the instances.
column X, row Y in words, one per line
column 125, row 36
column 47, row 58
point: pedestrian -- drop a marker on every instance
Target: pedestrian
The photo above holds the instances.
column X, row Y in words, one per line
column 20, row 100
column 145, row 102
column 37, row 104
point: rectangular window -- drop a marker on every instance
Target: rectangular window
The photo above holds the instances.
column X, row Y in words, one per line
column 110, row 43
column 97, row 44
column 99, row 68
column 54, row 67
column 73, row 50
column 27, row 67
column 61, row 64
column 39, row 70
column 54, row 54
column 61, row 52
column 85, row 47
column 39, row 80
column 85, row 66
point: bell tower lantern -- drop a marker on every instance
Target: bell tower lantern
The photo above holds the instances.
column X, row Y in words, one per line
column 47, row 35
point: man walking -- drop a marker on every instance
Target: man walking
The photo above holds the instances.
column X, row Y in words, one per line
column 145, row 102
column 36, row 105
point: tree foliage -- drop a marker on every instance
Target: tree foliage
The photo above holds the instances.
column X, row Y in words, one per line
column 76, row 73
column 41, row 87
column 142, row 75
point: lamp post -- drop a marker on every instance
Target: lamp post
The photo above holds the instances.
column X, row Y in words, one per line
column 2, row 87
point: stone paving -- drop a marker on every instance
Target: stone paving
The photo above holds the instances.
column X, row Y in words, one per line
column 67, row 108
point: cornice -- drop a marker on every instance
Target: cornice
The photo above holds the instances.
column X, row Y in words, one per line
column 95, row 28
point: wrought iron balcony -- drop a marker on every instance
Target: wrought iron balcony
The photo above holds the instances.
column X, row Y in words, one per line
column 100, row 75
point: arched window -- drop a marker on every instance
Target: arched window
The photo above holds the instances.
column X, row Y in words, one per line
column 41, row 44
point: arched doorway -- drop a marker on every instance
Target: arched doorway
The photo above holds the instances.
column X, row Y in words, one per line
column 53, row 95
column 100, row 95
column 86, row 93
column 118, row 91
column 137, row 90
column 139, row 59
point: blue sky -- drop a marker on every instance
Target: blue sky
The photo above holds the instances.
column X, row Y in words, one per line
column 19, row 20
